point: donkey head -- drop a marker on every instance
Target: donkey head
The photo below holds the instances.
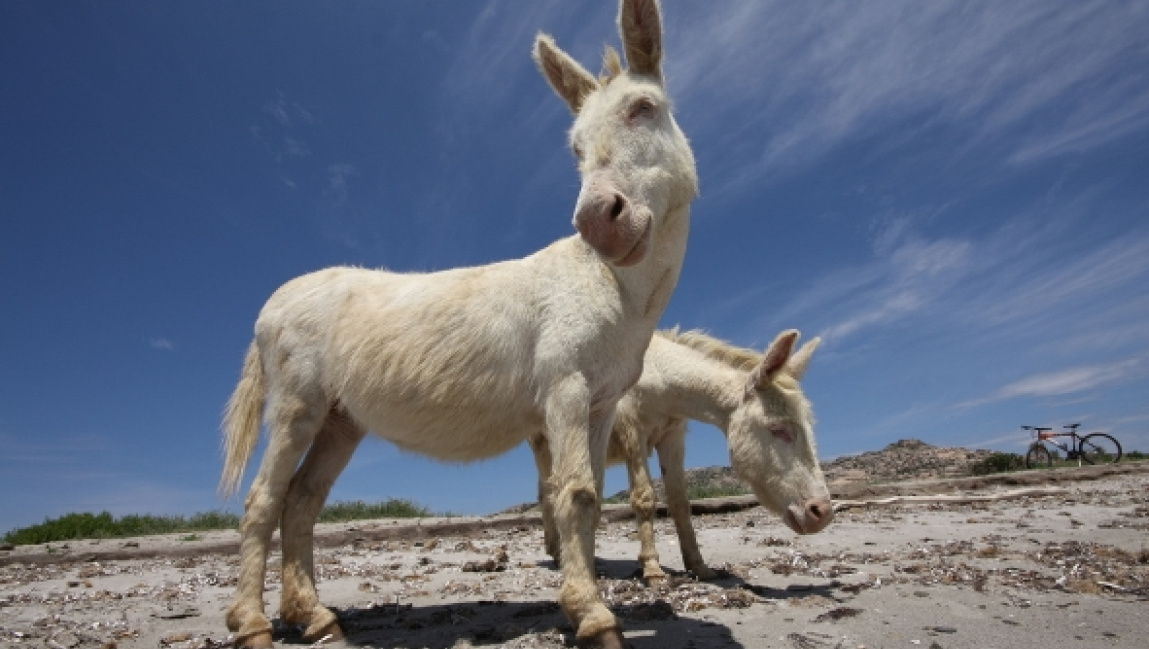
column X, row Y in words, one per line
column 635, row 163
column 771, row 438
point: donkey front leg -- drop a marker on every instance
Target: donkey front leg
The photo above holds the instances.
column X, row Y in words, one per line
column 644, row 502
column 579, row 458
column 671, row 457
column 293, row 424
column 328, row 456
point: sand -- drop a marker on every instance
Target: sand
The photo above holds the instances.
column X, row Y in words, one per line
column 1066, row 570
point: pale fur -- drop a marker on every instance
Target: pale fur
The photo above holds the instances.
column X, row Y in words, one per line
column 465, row 364
column 695, row 376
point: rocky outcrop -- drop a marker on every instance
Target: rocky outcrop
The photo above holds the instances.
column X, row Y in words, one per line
column 906, row 459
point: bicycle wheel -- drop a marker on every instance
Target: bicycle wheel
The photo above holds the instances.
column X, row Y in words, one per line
column 1038, row 457
column 1099, row 448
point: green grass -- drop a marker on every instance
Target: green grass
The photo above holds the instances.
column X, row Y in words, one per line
column 709, row 491
column 693, row 492
column 358, row 510
column 70, row 527
column 73, row 527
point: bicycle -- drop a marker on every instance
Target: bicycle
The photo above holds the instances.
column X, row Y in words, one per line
column 1094, row 448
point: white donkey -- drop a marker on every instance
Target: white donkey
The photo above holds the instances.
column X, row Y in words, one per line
column 755, row 399
column 467, row 363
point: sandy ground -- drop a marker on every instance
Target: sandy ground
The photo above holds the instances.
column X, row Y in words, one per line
column 1068, row 570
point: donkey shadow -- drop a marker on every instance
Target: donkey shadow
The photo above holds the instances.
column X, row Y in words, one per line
column 647, row 625
column 495, row 623
column 624, row 569
column 491, row 623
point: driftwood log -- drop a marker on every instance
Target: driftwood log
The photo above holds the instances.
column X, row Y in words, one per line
column 841, row 505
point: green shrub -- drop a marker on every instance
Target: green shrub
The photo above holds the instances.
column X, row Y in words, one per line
column 357, row 510
column 620, row 498
column 72, row 527
column 998, row 463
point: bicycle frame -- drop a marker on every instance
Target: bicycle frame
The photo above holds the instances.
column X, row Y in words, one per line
column 1070, row 451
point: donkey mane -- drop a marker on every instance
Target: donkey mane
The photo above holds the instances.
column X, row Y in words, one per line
column 611, row 66
column 739, row 358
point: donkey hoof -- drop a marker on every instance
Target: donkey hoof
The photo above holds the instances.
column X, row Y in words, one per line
column 257, row 640
column 330, row 632
column 656, row 580
column 608, row 639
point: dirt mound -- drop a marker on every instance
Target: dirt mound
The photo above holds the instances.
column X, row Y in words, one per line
column 906, row 459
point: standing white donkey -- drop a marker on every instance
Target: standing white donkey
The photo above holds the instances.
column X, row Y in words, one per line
column 466, row 364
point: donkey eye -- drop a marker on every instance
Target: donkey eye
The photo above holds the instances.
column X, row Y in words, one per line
column 577, row 151
column 782, row 433
column 641, row 108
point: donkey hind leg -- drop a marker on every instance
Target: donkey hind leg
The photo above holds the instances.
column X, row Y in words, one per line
column 326, row 459
column 671, row 457
column 294, row 422
column 542, row 451
column 644, row 502
column 579, row 461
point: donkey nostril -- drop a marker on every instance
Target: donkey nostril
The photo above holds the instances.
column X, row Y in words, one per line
column 616, row 209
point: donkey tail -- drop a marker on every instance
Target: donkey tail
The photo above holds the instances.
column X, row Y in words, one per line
column 241, row 421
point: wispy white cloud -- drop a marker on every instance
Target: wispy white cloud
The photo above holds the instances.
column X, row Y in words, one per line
column 495, row 53
column 286, row 112
column 1027, row 280
column 1066, row 381
column 1029, row 79
column 1027, row 289
column 161, row 343
column 337, row 175
column 1074, row 379
column 904, row 278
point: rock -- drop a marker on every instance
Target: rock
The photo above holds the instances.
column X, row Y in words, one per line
column 838, row 614
column 177, row 613
column 66, row 639
column 942, row 629
column 490, row 565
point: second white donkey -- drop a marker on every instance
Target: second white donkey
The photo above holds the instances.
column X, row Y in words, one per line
column 755, row 399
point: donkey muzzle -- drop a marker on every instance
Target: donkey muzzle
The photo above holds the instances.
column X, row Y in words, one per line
column 611, row 224
column 809, row 516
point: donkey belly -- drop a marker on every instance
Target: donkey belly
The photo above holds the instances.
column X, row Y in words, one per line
column 453, row 434
column 445, row 372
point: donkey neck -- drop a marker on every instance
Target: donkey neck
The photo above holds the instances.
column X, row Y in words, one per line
column 648, row 285
column 682, row 382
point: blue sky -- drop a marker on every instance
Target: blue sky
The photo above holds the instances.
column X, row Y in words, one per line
column 954, row 195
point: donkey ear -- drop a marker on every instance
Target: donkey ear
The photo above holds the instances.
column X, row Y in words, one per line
column 773, row 360
column 569, row 79
column 797, row 364
column 640, row 25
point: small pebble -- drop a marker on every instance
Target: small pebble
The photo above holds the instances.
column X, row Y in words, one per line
column 943, row 629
